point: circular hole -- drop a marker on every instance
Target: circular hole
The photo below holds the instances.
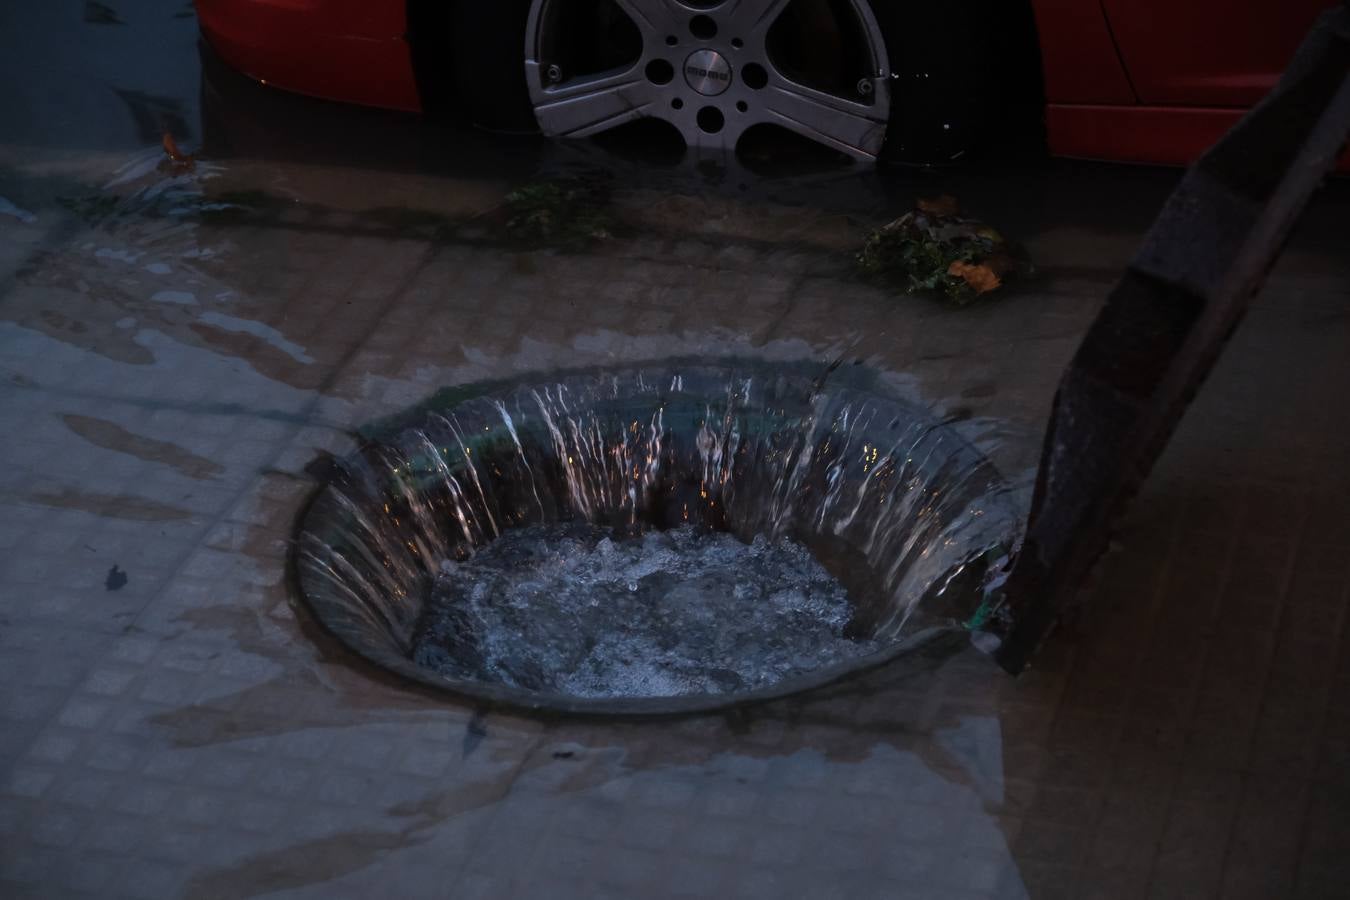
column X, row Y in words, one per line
column 677, row 103
column 671, row 40
column 393, row 553
column 737, row 43
column 703, row 28
column 742, row 106
column 660, row 72
column 710, row 119
column 754, row 76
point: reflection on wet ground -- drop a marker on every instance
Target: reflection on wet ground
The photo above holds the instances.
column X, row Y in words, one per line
column 179, row 341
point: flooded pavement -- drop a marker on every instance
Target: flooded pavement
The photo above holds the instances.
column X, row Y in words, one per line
column 179, row 342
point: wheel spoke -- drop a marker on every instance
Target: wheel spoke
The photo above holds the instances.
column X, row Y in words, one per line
column 711, row 146
column 713, row 97
column 858, row 129
column 587, row 106
column 754, row 16
column 655, row 18
column 720, row 146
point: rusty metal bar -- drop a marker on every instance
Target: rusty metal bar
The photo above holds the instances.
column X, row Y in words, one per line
column 1166, row 322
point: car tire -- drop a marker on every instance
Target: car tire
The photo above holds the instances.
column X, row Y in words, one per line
column 965, row 79
column 488, row 64
column 965, row 74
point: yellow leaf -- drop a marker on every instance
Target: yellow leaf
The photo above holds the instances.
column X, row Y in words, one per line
column 171, row 150
column 978, row 275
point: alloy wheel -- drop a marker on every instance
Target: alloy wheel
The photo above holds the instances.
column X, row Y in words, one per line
column 713, row 70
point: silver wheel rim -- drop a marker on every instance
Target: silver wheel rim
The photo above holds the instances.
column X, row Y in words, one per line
column 719, row 86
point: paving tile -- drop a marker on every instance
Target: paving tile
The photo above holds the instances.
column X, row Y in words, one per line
column 182, row 733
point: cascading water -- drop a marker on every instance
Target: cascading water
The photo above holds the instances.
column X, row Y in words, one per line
column 655, row 539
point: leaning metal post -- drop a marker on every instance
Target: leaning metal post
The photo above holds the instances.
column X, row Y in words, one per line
column 1166, row 322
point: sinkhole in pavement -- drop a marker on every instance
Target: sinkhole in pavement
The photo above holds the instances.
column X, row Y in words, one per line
column 654, row 539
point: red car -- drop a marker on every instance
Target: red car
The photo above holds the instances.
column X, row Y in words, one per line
column 1152, row 81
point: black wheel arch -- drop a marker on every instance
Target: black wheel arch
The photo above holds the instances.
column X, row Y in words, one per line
column 965, row 79
column 467, row 57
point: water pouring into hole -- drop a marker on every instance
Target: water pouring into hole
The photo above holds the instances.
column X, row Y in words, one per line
column 655, row 539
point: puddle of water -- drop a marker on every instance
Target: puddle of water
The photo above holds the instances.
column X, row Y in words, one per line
column 569, row 608
column 9, row 209
column 268, row 334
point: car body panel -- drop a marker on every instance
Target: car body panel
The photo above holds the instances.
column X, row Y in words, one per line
column 1211, row 53
column 354, row 51
column 1078, row 56
column 1158, row 135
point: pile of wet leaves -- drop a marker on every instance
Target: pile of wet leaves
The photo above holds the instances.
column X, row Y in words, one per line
column 562, row 212
column 934, row 249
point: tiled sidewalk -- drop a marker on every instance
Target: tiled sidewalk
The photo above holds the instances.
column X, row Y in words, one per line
column 192, row 734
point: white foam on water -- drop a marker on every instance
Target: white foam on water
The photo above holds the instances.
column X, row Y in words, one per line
column 572, row 608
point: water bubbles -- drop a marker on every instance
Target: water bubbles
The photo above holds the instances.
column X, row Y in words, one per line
column 665, row 614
